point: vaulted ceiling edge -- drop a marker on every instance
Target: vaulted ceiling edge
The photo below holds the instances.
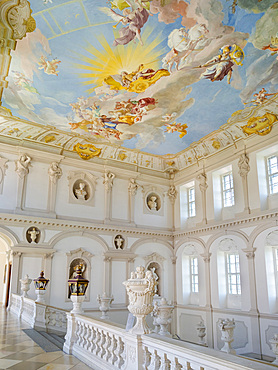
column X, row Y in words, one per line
column 156, row 83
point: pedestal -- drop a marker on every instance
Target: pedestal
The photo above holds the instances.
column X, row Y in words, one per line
column 40, row 295
column 77, row 303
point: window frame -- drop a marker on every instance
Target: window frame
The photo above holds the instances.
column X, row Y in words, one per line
column 236, row 273
column 224, row 191
column 270, row 176
column 193, row 275
column 189, row 202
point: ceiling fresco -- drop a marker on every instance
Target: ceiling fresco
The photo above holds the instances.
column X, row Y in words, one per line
column 152, row 75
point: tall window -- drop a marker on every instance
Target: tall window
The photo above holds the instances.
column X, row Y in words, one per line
column 233, row 273
column 191, row 202
column 228, row 190
column 272, row 170
column 194, row 275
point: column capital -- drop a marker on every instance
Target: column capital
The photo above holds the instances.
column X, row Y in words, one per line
column 174, row 260
column 206, row 257
column 250, row 253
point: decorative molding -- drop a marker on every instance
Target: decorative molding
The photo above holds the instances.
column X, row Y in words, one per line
column 269, row 332
column 19, row 18
column 154, row 257
column 227, row 245
column 122, row 255
column 80, row 252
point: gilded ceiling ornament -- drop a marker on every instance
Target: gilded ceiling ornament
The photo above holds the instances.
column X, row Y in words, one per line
column 260, row 125
column 86, row 151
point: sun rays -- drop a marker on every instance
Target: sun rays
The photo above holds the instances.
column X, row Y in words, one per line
column 107, row 61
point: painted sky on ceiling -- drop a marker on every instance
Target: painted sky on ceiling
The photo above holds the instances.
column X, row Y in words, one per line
column 154, row 75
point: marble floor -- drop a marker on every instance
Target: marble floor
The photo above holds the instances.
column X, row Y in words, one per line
column 19, row 352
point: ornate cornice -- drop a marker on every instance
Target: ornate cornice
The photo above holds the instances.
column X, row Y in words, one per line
column 18, row 220
column 244, row 222
column 24, row 221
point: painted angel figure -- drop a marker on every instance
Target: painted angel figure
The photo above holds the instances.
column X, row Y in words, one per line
column 133, row 19
column 49, row 67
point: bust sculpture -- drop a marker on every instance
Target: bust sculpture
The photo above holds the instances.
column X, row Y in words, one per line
column 81, row 192
column 152, row 204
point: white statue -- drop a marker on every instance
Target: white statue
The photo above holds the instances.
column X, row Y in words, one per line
column 202, row 178
column 132, row 186
column 119, row 241
column 54, row 172
column 243, row 165
column 152, row 204
column 33, row 234
column 108, row 180
column 172, row 193
column 81, row 192
column 22, row 165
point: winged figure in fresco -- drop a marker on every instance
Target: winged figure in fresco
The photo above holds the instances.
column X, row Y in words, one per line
column 49, row 67
column 222, row 65
column 133, row 20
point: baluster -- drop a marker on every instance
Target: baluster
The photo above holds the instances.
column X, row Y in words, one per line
column 188, row 366
column 90, row 337
column 93, row 340
column 176, row 365
column 108, row 347
column 119, row 353
column 165, row 363
column 81, row 334
column 102, row 344
column 147, row 358
column 85, row 336
column 54, row 318
column 78, row 328
column 155, row 361
column 113, row 357
column 98, row 348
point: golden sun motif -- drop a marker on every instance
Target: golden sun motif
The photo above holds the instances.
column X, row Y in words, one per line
column 114, row 60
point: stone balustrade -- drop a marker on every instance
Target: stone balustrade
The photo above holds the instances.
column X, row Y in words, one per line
column 105, row 346
column 39, row 315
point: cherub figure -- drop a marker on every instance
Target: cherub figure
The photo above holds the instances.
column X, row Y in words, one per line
column 49, row 67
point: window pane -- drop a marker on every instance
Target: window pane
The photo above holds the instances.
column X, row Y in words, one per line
column 233, row 273
column 228, row 190
column 272, row 168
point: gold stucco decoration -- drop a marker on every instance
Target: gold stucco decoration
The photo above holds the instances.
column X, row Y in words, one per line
column 86, row 151
column 260, row 125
